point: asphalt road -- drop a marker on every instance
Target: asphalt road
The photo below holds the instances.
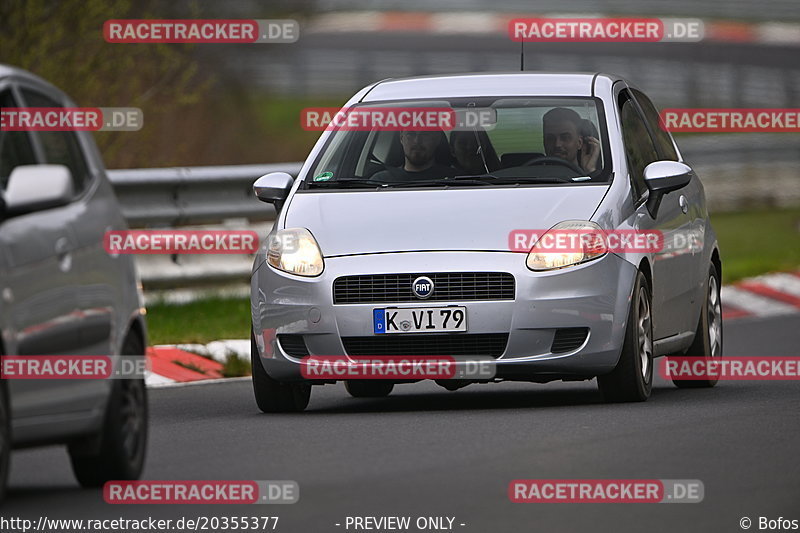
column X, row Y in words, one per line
column 428, row 452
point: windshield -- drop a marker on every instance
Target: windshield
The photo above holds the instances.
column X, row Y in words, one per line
column 465, row 142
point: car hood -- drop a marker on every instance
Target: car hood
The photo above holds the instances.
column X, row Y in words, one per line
column 359, row 222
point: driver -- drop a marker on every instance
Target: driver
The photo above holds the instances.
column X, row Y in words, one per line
column 419, row 151
column 562, row 139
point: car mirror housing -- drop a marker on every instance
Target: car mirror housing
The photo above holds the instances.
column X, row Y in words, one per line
column 273, row 188
column 663, row 177
column 35, row 187
column 667, row 176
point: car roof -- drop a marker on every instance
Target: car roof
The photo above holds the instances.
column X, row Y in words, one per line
column 7, row 71
column 487, row 84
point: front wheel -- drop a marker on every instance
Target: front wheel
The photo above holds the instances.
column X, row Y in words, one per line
column 632, row 379
column 273, row 396
column 707, row 342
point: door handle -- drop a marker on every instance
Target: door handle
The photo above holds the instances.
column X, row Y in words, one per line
column 63, row 254
column 637, row 222
column 684, row 203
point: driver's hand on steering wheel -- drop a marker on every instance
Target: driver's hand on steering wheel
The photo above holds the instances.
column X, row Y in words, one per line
column 590, row 153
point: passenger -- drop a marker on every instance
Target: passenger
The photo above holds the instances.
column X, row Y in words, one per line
column 469, row 161
column 419, row 150
column 562, row 138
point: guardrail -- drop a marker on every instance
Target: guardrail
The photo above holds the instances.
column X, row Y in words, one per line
column 193, row 195
column 737, row 171
column 201, row 195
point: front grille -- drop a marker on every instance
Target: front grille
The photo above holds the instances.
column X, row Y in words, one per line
column 293, row 345
column 568, row 339
column 448, row 286
column 480, row 344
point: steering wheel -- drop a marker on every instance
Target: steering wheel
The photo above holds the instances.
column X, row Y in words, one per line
column 548, row 160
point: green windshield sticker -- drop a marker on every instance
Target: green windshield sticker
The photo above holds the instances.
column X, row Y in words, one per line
column 325, row 176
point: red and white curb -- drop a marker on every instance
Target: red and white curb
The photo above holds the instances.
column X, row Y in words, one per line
column 172, row 364
column 176, row 365
column 767, row 295
column 471, row 23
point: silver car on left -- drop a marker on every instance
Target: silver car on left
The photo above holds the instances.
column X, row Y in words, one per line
column 61, row 294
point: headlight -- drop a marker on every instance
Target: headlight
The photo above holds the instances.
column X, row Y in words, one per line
column 295, row 251
column 571, row 242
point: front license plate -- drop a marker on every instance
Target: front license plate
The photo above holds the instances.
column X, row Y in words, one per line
column 419, row 319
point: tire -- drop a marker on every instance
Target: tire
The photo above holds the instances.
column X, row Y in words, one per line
column 366, row 388
column 5, row 440
column 632, row 379
column 274, row 396
column 708, row 337
column 118, row 451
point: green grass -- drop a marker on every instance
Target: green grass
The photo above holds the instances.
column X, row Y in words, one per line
column 756, row 242
column 202, row 321
column 235, row 367
column 752, row 243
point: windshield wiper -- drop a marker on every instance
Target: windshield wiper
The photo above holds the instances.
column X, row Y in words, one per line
column 345, row 184
column 439, row 182
column 477, row 177
column 491, row 178
column 485, row 179
column 463, row 181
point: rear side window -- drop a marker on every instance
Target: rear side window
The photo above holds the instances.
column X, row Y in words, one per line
column 662, row 138
column 60, row 147
column 15, row 146
column 639, row 147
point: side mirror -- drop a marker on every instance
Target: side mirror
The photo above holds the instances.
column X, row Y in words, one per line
column 667, row 176
column 273, row 188
column 662, row 177
column 34, row 187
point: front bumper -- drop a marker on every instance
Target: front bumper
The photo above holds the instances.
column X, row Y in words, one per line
column 595, row 295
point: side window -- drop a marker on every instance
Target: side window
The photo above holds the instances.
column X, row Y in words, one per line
column 60, row 147
column 639, row 147
column 663, row 139
column 15, row 146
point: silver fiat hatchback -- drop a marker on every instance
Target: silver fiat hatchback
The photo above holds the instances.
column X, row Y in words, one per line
column 401, row 240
